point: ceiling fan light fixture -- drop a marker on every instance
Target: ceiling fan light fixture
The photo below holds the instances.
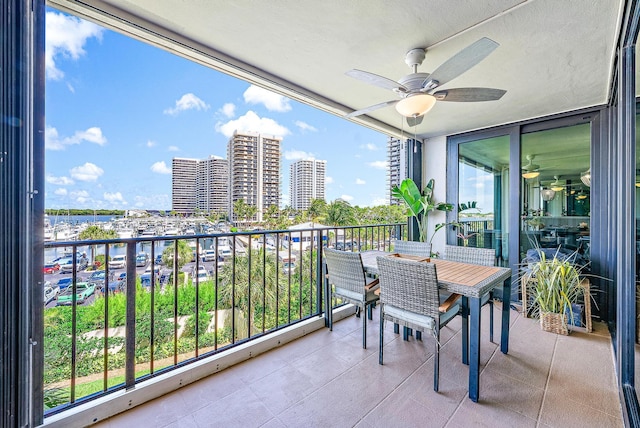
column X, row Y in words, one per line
column 548, row 194
column 531, row 174
column 585, row 177
column 415, row 105
column 557, row 188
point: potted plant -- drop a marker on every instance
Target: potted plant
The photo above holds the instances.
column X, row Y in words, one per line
column 420, row 205
column 554, row 286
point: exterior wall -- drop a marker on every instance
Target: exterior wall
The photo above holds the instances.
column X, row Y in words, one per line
column 307, row 182
column 183, row 185
column 254, row 171
column 397, row 158
column 434, row 150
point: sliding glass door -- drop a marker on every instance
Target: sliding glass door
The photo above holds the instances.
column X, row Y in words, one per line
column 483, row 195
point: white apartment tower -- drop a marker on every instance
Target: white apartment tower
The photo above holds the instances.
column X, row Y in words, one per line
column 254, row 171
column 306, row 182
column 183, row 185
column 397, row 157
column 212, row 185
column 200, row 184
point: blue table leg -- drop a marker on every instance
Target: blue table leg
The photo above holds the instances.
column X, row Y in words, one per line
column 474, row 350
column 506, row 302
column 464, row 313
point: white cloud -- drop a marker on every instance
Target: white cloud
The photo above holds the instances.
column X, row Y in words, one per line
column 114, row 198
column 369, row 146
column 66, row 37
column 272, row 101
column 60, row 181
column 151, row 144
column 229, row 110
column 173, row 149
column 379, row 164
column 328, row 180
column 160, row 168
column 360, row 181
column 60, row 191
column 86, row 172
column 80, row 196
column 297, row 155
column 187, row 102
column 305, row 126
column 52, row 140
column 251, row 122
column 346, row 198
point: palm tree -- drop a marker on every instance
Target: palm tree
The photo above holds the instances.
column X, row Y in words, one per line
column 317, row 210
column 340, row 213
column 93, row 233
column 185, row 255
column 262, row 298
column 243, row 210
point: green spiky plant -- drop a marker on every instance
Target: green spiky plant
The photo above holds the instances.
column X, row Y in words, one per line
column 420, row 204
column 555, row 285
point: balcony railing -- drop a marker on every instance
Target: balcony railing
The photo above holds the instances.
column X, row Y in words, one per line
column 125, row 331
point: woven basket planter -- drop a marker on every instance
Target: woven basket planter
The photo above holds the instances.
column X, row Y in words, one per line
column 554, row 323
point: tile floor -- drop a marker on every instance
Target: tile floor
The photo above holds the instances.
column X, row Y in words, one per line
column 326, row 379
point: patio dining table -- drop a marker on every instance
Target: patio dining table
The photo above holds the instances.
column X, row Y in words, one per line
column 472, row 282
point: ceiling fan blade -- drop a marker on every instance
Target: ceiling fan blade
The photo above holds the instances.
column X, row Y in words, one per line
column 374, row 79
column 372, row 108
column 463, row 60
column 414, row 121
column 469, row 95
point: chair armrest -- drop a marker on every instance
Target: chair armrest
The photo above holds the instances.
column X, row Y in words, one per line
column 446, row 305
column 372, row 284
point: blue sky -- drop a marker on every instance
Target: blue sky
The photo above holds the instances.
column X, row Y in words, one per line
column 118, row 111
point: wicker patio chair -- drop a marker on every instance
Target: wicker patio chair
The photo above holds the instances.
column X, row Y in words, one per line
column 409, row 296
column 476, row 256
column 413, row 248
column 422, row 249
column 346, row 274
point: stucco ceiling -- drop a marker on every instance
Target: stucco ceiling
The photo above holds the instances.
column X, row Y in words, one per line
column 554, row 56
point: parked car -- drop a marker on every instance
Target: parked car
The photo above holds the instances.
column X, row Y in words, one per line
column 83, row 291
column 122, row 276
column 51, row 267
column 118, row 262
column 117, row 285
column 142, row 259
column 64, row 283
column 50, row 292
column 66, row 264
column 159, row 259
column 347, row 246
column 97, row 278
column 209, row 255
column 202, row 274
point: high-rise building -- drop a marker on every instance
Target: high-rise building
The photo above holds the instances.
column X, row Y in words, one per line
column 212, row 185
column 397, row 157
column 200, row 184
column 183, row 185
column 254, row 172
column 306, row 182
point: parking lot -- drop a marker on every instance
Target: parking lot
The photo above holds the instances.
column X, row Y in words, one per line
column 83, row 276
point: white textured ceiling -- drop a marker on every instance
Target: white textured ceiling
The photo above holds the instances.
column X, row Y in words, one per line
column 554, row 56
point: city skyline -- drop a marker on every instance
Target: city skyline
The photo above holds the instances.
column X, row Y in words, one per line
column 118, row 111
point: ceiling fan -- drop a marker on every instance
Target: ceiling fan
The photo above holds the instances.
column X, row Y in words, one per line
column 418, row 91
